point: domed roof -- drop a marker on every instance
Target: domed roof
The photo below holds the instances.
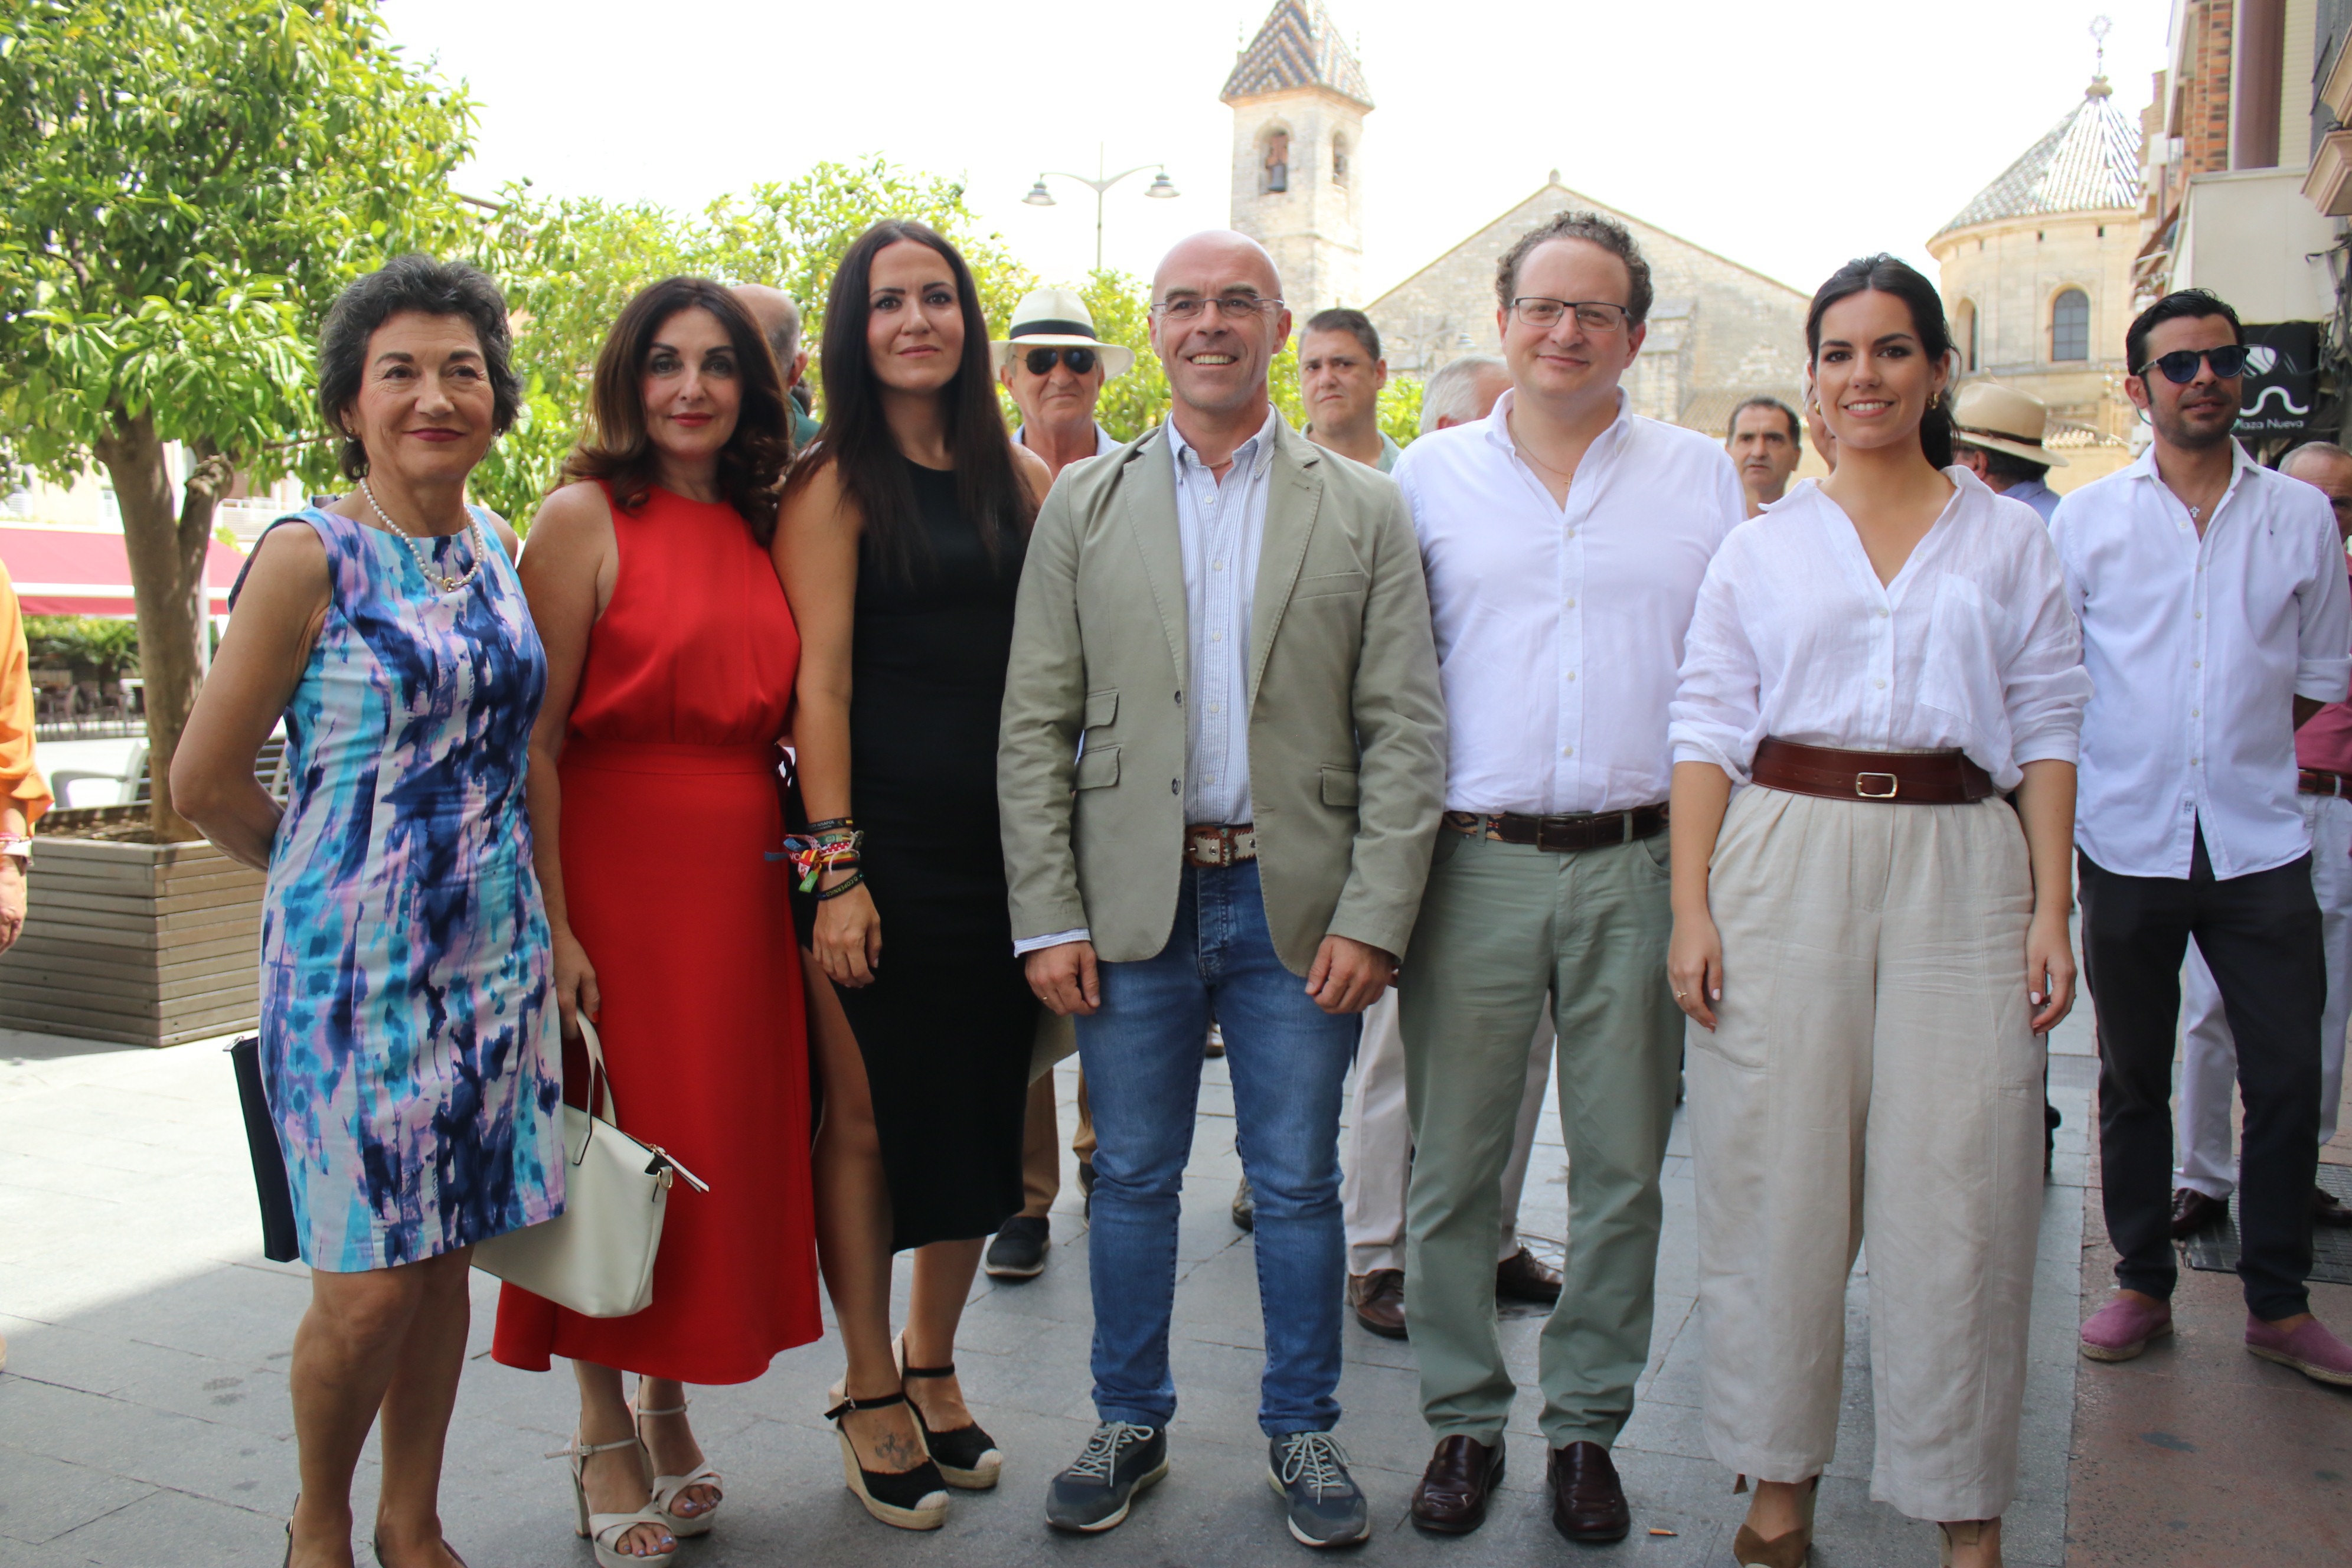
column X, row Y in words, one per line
column 2088, row 162
column 1298, row 46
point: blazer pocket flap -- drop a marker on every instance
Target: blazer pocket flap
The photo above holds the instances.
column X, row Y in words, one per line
column 1329, row 583
column 1102, row 707
column 1338, row 786
column 1099, row 767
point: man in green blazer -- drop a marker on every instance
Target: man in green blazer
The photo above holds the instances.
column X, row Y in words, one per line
column 1219, row 775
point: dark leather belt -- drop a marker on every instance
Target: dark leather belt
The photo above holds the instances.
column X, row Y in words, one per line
column 1904, row 778
column 1217, row 845
column 1577, row 830
column 2319, row 780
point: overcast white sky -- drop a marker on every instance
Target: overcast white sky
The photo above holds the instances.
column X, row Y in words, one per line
column 1786, row 134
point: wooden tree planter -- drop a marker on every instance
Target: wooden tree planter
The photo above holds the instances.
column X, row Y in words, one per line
column 148, row 944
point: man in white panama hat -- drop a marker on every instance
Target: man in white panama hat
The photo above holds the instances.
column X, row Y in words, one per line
column 1054, row 367
column 2000, row 432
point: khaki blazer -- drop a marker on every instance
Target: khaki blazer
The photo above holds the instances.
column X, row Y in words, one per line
column 1347, row 724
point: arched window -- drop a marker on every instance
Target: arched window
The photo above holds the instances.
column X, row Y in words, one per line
column 2070, row 325
column 1964, row 334
column 1274, row 169
column 1339, row 160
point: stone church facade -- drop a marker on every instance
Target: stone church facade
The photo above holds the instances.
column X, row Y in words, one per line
column 1718, row 332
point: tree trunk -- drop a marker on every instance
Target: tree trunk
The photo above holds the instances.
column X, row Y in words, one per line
column 166, row 542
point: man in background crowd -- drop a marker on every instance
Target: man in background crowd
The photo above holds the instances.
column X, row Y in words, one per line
column 1054, row 367
column 780, row 319
column 1340, row 374
column 1765, row 441
column 1999, row 440
column 2322, row 757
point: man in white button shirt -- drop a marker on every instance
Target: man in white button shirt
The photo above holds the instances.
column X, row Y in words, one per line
column 1565, row 539
column 2215, row 621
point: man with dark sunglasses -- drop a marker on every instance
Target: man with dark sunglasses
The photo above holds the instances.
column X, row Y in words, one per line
column 1054, row 367
column 2216, row 621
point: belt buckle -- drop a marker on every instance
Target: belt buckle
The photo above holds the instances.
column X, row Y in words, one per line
column 1894, row 785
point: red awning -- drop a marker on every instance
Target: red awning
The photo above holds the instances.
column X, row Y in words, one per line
column 83, row 572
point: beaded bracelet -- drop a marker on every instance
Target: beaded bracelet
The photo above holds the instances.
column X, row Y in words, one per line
column 855, row 878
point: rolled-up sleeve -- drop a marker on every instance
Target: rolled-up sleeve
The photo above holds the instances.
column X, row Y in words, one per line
column 2046, row 687
column 1718, row 714
column 2323, row 666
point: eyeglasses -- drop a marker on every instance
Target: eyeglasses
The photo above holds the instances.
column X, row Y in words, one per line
column 1233, row 307
column 1041, row 360
column 1593, row 315
column 2179, row 366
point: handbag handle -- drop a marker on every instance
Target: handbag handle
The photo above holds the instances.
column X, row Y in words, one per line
column 596, row 1069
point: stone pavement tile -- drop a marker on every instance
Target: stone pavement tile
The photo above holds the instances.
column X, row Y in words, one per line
column 173, row 1530
column 223, row 1312
column 42, row 1499
column 94, row 1363
column 206, row 1458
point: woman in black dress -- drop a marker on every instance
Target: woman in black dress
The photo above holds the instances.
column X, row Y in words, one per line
column 901, row 544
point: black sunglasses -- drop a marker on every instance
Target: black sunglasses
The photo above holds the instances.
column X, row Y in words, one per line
column 2179, row 366
column 1041, row 360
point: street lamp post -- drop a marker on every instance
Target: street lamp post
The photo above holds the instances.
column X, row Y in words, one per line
column 1159, row 190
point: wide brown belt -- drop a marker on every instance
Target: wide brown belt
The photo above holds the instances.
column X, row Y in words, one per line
column 1577, row 830
column 2319, row 780
column 1215, row 844
column 1905, row 778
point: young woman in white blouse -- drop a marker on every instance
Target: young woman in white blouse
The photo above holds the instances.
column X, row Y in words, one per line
column 1871, row 939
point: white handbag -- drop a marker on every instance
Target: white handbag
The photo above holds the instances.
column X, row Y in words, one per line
column 596, row 1258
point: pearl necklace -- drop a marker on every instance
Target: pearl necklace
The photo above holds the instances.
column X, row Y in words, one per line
column 448, row 585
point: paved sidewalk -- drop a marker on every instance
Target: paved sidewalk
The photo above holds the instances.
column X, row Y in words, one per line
column 143, row 1415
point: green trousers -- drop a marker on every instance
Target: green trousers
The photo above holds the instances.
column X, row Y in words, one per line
column 1501, row 926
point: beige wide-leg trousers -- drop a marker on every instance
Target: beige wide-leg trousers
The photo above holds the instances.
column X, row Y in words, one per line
column 1873, row 1075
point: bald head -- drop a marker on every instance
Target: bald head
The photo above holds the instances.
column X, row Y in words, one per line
column 2326, row 468
column 1220, row 252
column 780, row 321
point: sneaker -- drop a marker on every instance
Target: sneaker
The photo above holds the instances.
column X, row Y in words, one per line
column 1120, row 1460
column 2310, row 1349
column 2121, row 1330
column 1019, row 1250
column 1308, row 1471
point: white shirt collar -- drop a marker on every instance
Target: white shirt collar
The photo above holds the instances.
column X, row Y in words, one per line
column 1258, row 450
column 1498, row 423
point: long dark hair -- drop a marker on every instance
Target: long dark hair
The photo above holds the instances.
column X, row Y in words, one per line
column 1888, row 276
column 855, row 435
column 617, row 449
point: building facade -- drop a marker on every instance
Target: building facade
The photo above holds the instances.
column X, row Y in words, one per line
column 1299, row 100
column 2036, row 275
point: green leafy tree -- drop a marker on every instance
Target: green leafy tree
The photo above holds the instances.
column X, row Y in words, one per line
column 1399, row 409
column 183, row 189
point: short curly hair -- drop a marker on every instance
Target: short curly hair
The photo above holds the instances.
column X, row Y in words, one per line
column 428, row 287
column 1594, row 229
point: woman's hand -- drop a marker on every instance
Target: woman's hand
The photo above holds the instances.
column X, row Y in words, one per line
column 575, row 982
column 12, row 902
column 2049, row 970
column 848, row 935
column 1694, row 967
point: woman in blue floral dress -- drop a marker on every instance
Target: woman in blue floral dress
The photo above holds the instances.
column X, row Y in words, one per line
column 408, row 1039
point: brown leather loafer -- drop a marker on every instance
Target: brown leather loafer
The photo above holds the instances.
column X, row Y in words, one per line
column 1452, row 1497
column 2192, row 1211
column 1522, row 1276
column 1378, row 1299
column 1587, row 1501
column 2327, row 1210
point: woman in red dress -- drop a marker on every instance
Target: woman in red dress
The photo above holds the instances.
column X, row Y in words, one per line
column 671, row 659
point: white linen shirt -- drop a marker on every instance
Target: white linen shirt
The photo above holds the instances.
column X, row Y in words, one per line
column 1971, row 647
column 2198, row 648
column 1220, row 527
column 1559, row 629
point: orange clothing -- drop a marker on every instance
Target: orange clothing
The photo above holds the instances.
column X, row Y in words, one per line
column 20, row 782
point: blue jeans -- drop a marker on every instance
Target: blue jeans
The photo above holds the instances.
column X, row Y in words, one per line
column 1288, row 1060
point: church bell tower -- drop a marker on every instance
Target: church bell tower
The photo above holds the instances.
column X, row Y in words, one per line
column 1299, row 100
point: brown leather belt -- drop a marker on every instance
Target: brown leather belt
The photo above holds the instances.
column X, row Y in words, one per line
column 1214, row 844
column 1905, row 778
column 2319, row 780
column 1577, row 830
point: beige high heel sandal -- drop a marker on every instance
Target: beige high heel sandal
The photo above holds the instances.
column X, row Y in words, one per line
column 1962, row 1533
column 668, row 1489
column 1786, row 1551
column 603, row 1531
